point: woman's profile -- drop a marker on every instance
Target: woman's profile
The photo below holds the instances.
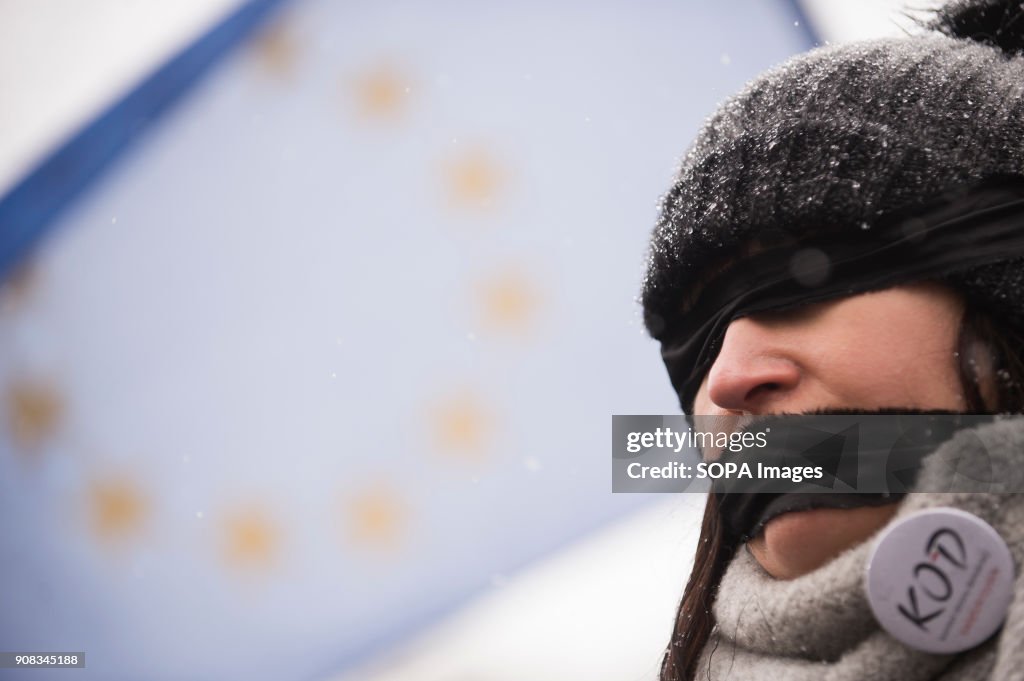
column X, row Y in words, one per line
column 847, row 233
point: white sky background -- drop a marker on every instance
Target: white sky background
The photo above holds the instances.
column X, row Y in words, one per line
column 841, row 21
column 62, row 62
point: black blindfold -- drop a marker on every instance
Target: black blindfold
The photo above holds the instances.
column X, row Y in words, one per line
column 981, row 226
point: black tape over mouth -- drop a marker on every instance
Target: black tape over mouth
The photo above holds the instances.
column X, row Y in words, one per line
column 768, row 507
column 744, row 514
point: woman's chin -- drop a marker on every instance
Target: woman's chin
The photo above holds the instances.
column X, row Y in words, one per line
column 796, row 543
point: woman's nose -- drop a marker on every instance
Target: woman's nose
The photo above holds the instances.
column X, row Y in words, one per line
column 755, row 368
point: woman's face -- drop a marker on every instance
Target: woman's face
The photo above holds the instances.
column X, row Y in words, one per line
column 890, row 348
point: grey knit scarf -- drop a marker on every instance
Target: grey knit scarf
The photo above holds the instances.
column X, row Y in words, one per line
column 820, row 626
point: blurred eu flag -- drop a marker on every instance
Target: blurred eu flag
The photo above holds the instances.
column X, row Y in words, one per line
column 294, row 368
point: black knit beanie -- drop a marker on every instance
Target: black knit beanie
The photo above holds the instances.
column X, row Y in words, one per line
column 836, row 143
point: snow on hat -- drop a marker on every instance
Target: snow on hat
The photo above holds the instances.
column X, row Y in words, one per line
column 836, row 142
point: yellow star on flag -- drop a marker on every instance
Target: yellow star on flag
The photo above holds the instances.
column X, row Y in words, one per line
column 461, row 427
column 380, row 93
column 276, row 49
column 250, row 538
column 17, row 287
column 376, row 517
column 117, row 508
column 508, row 302
column 474, row 179
column 34, row 409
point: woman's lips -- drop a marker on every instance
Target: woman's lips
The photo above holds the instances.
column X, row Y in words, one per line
column 785, row 504
column 784, row 517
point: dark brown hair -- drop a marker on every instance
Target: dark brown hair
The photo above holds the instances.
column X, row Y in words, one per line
column 980, row 341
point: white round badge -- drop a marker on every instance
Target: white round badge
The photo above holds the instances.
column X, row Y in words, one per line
column 940, row 580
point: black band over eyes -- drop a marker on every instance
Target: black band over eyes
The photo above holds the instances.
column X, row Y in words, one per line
column 981, row 226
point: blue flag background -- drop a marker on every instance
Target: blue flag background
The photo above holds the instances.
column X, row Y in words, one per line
column 335, row 343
